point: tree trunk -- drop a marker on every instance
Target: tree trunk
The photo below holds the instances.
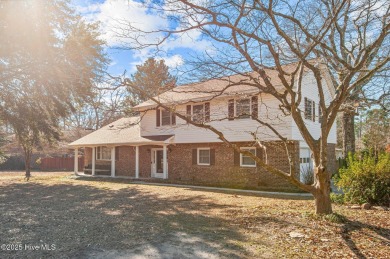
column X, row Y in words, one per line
column 323, row 203
column 348, row 126
column 27, row 164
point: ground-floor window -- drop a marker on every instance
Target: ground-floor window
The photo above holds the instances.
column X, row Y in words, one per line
column 103, row 153
column 203, row 156
column 245, row 160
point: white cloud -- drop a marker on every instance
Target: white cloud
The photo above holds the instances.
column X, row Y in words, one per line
column 116, row 16
column 87, row 9
column 174, row 61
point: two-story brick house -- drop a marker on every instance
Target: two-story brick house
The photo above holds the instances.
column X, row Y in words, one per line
column 158, row 144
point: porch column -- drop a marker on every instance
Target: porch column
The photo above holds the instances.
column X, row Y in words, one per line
column 165, row 164
column 93, row 160
column 113, row 162
column 76, row 161
column 137, row 162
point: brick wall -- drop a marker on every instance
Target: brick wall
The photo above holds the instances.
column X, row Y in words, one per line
column 125, row 164
column 225, row 173
column 145, row 161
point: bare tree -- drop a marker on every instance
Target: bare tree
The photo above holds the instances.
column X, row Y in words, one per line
column 3, row 142
column 349, row 38
column 373, row 94
column 376, row 130
column 105, row 104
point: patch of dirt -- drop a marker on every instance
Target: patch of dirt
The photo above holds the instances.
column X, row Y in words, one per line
column 101, row 218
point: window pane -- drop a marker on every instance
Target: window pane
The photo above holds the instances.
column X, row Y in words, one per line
column 198, row 115
column 165, row 118
column 309, row 109
column 204, row 156
column 243, row 108
column 104, row 153
column 98, row 156
column 246, row 160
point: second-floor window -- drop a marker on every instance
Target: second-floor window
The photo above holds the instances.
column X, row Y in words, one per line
column 319, row 114
column 165, row 118
column 243, row 108
column 199, row 113
column 310, row 109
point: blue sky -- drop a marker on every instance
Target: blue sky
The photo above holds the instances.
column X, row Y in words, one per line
column 109, row 12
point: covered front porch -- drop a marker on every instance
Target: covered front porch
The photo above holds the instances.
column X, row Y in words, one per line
column 118, row 149
column 132, row 161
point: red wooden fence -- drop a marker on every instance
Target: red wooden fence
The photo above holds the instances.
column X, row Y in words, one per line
column 60, row 163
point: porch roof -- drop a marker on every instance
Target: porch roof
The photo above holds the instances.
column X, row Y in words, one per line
column 125, row 131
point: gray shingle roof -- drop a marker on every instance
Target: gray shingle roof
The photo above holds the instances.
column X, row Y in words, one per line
column 125, row 131
column 224, row 86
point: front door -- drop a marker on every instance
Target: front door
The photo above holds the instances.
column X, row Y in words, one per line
column 157, row 163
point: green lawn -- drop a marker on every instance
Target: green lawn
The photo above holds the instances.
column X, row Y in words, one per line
column 100, row 218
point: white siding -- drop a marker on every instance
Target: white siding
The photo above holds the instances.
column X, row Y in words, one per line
column 310, row 90
column 235, row 130
column 241, row 129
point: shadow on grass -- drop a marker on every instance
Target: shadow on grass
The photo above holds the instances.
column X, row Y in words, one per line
column 350, row 226
column 85, row 221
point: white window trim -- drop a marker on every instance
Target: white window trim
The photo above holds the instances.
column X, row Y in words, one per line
column 204, row 109
column 170, row 119
column 247, row 148
column 97, row 153
column 197, row 154
column 235, row 108
column 195, row 104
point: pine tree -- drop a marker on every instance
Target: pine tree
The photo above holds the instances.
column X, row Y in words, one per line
column 152, row 77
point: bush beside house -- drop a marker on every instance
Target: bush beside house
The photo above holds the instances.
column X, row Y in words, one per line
column 366, row 179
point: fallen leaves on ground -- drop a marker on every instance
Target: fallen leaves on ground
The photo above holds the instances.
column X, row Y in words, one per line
column 87, row 216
